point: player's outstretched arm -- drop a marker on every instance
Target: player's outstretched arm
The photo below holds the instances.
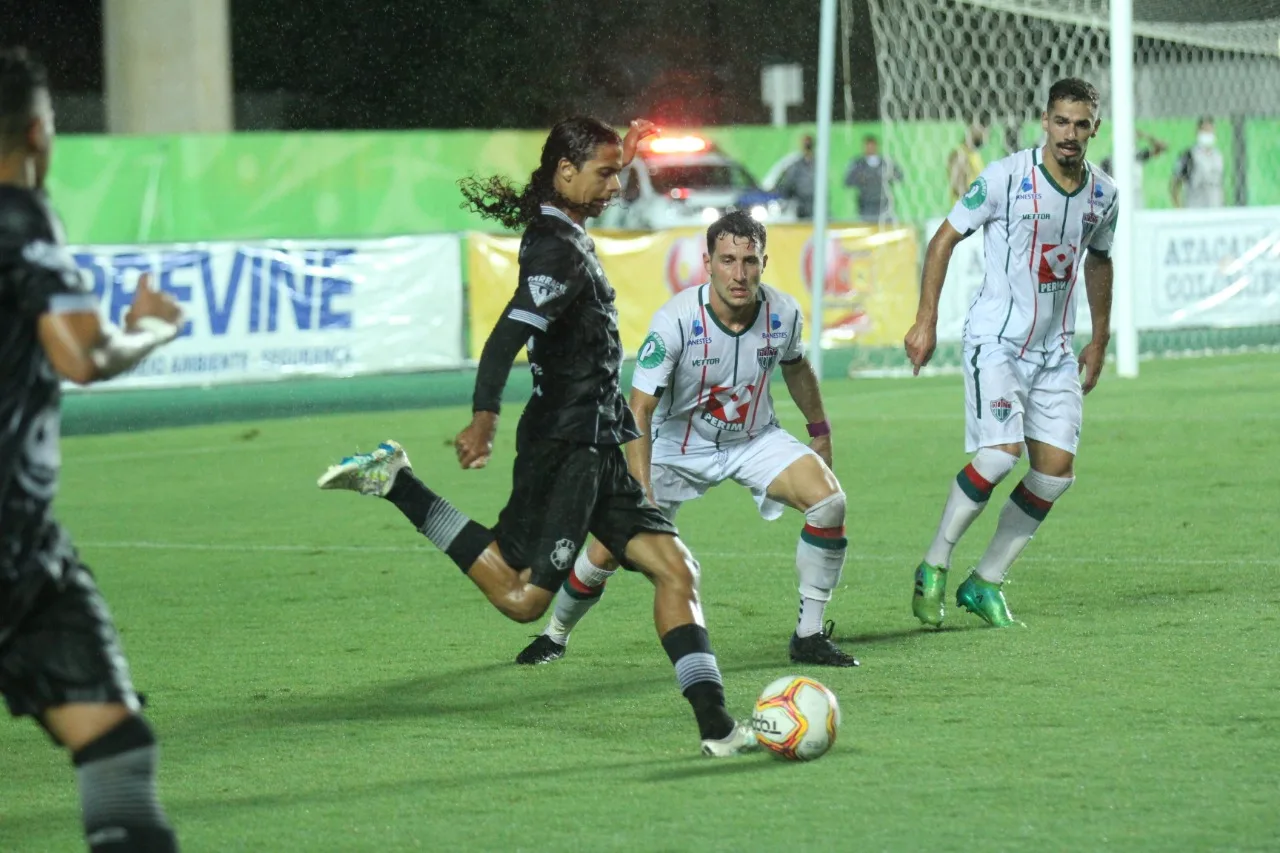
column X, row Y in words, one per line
column 475, row 443
column 83, row 350
column 922, row 337
column 640, row 451
column 802, row 384
column 1098, row 274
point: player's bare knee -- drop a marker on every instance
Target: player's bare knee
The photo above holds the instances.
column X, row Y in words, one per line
column 828, row 512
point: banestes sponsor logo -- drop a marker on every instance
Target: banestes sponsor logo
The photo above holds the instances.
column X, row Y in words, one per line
column 700, row 336
column 1025, row 190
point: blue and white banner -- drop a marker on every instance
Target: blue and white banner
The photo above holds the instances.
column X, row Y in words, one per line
column 274, row 309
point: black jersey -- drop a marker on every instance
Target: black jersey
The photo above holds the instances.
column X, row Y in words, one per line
column 575, row 353
column 37, row 276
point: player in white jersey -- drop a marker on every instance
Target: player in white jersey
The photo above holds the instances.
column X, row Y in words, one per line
column 701, row 397
column 1044, row 213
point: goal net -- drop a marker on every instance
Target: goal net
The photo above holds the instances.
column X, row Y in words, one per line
column 963, row 83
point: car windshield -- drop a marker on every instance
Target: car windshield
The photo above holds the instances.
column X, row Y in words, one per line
column 702, row 176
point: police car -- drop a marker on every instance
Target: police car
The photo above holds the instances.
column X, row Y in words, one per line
column 685, row 180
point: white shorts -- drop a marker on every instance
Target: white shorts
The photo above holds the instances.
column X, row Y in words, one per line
column 1008, row 400
column 755, row 463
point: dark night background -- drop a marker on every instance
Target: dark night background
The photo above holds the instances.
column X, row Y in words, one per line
column 329, row 64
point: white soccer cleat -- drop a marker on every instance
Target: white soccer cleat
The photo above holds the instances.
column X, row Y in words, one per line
column 367, row 473
column 741, row 740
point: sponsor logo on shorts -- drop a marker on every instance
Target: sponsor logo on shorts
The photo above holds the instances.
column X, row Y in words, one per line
column 1001, row 409
column 1054, row 286
column 562, row 555
column 699, row 362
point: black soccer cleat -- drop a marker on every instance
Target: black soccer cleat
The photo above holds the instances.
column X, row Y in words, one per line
column 543, row 649
column 818, row 649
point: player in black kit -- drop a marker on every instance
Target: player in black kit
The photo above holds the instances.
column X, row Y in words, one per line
column 570, row 475
column 60, row 658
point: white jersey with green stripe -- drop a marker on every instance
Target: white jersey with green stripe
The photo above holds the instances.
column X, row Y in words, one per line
column 1034, row 238
column 713, row 384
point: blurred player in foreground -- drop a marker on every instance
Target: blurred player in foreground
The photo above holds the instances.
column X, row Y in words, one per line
column 570, row 473
column 1039, row 210
column 60, row 658
column 710, row 353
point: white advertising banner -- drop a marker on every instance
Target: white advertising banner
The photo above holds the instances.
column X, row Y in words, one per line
column 1210, row 267
column 265, row 310
column 1217, row 267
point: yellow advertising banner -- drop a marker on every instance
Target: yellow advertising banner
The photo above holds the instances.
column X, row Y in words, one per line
column 870, row 292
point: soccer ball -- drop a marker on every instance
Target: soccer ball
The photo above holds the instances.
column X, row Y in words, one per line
column 797, row 718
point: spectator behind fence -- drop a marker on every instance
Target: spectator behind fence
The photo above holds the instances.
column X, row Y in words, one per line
column 1199, row 171
column 871, row 175
column 965, row 163
column 797, row 182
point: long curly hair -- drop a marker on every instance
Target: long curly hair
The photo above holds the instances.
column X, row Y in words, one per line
column 574, row 139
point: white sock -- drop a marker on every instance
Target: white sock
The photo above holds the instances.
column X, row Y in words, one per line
column 970, row 491
column 580, row 592
column 1027, row 506
column 812, row 611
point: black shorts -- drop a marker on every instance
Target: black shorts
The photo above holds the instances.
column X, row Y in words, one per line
column 560, row 491
column 65, row 649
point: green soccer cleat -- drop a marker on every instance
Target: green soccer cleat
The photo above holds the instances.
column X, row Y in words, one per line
column 985, row 599
column 931, row 589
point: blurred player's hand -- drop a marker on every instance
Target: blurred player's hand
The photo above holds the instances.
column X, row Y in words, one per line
column 639, row 130
column 1092, row 357
column 921, row 340
column 474, row 444
column 822, row 446
column 151, row 303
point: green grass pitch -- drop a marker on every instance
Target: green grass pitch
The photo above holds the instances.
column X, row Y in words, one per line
column 323, row 680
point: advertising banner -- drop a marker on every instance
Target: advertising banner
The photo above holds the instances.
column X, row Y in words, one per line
column 870, row 293
column 268, row 310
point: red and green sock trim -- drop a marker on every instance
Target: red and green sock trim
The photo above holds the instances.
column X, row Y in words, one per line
column 828, row 538
column 579, row 590
column 977, row 487
column 1030, row 503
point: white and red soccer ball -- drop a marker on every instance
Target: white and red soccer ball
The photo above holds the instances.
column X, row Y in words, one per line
column 797, row 718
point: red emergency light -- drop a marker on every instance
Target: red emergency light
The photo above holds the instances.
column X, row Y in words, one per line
column 678, row 145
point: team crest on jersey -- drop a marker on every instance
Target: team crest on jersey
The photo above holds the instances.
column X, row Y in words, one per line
column 976, row 195
column 1001, row 409
column 652, row 351
column 727, row 407
column 1090, row 219
column 544, row 288
column 767, row 357
column 562, row 555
